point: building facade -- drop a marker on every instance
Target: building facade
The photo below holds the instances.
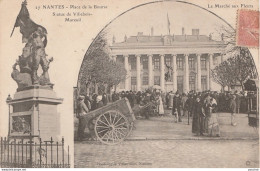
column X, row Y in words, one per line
column 169, row 62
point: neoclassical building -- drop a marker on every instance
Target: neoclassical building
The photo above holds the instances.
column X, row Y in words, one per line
column 187, row 60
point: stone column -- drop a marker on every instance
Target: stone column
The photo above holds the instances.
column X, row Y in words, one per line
column 209, row 71
column 138, row 73
column 186, row 75
column 127, row 80
column 162, row 68
column 150, row 69
column 198, row 73
column 174, row 73
column 116, row 87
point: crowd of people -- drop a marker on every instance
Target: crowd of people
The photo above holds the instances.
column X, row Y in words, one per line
column 200, row 106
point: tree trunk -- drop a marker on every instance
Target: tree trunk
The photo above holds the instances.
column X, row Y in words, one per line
column 115, row 88
column 106, row 89
column 242, row 85
column 222, row 88
column 96, row 88
column 228, row 88
column 110, row 90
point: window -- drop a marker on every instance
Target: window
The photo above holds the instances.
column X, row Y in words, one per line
column 133, row 63
column 156, row 63
column 203, row 83
column 133, row 83
column 203, row 63
column 191, row 63
column 180, row 83
column 192, row 83
column 119, row 60
column 156, row 80
column 168, row 61
column 145, row 80
column 145, row 63
column 133, row 80
column 179, row 63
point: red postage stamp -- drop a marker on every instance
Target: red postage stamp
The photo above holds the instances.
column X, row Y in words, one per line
column 247, row 28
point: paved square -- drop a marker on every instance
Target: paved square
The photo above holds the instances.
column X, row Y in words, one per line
column 159, row 142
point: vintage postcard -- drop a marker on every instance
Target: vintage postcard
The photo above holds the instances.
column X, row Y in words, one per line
column 129, row 84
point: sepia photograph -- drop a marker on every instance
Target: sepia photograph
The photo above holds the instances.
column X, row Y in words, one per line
column 160, row 87
column 129, row 84
column 31, row 135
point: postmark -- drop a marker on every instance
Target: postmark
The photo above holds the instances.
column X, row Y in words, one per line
column 247, row 28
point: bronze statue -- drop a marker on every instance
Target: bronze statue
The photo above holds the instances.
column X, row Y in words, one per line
column 35, row 37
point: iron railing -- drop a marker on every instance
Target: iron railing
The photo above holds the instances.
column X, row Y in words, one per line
column 25, row 153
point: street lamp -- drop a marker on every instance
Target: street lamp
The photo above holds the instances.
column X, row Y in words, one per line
column 8, row 99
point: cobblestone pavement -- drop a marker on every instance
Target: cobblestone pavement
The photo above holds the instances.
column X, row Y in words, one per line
column 160, row 142
column 169, row 153
column 165, row 128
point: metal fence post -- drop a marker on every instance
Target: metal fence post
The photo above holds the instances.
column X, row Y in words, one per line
column 40, row 152
column 62, row 152
column 18, row 152
column 26, row 153
column 8, row 152
column 69, row 156
column 11, row 152
column 22, row 152
column 51, row 153
column 35, row 152
column 46, row 157
column 57, row 154
column 31, row 143
column 15, row 152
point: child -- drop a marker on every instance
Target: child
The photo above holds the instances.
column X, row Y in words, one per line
column 175, row 114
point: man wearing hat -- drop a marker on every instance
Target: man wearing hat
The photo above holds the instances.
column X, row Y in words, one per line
column 82, row 110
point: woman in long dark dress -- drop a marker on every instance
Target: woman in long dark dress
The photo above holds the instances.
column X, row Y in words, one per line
column 198, row 118
column 211, row 121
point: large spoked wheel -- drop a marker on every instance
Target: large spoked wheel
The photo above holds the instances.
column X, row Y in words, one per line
column 112, row 127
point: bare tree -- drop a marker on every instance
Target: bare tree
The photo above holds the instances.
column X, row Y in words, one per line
column 98, row 70
column 222, row 74
column 238, row 67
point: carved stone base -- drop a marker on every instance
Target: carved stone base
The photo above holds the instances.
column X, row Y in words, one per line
column 34, row 110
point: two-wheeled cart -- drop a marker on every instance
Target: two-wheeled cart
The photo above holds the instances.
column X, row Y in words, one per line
column 113, row 122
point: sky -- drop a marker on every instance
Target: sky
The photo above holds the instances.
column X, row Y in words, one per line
column 154, row 15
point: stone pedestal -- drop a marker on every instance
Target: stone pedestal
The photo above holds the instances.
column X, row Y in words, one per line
column 33, row 110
